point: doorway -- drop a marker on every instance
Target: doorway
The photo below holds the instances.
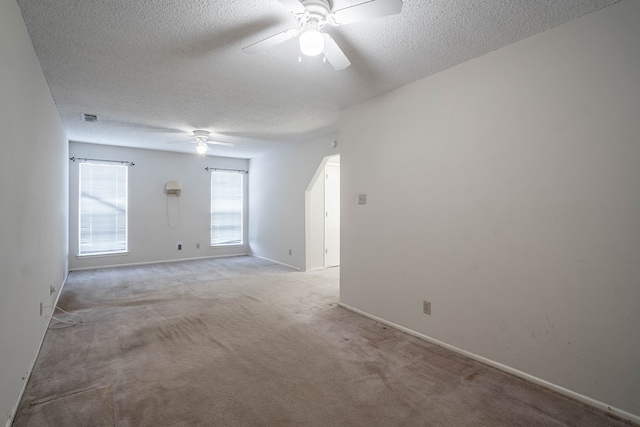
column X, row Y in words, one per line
column 322, row 216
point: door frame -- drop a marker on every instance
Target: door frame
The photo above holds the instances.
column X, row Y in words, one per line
column 310, row 241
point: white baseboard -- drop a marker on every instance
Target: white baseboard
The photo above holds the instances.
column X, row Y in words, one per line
column 277, row 262
column 133, row 264
column 27, row 376
column 558, row 389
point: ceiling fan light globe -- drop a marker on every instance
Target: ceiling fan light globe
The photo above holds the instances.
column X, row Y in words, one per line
column 311, row 42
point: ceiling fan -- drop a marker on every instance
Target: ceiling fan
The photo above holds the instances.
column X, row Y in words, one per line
column 313, row 15
column 201, row 139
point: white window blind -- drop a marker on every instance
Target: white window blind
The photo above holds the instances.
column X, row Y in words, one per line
column 226, row 207
column 103, row 208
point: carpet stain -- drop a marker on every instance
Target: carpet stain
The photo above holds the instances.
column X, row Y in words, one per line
column 472, row 376
column 129, row 302
column 183, row 328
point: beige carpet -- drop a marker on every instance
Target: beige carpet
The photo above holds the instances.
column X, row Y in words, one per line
column 245, row 342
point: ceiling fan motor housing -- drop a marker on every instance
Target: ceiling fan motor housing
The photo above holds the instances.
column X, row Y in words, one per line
column 199, row 134
column 318, row 12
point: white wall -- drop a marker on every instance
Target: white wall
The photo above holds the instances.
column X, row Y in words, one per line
column 506, row 191
column 277, row 185
column 150, row 238
column 34, row 200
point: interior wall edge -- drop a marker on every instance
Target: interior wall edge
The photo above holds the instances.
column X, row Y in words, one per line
column 612, row 410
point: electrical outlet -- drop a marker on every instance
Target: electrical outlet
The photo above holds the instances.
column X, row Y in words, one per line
column 40, row 309
column 426, row 307
column 197, row 245
column 290, row 252
column 52, row 290
column 179, row 246
column 362, row 199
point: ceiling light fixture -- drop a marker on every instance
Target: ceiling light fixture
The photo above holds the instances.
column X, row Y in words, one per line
column 311, row 42
column 202, row 148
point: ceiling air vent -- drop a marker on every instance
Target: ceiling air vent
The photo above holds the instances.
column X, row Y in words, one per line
column 89, row 117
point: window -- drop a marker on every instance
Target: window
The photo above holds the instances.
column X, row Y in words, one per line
column 103, row 208
column 226, row 207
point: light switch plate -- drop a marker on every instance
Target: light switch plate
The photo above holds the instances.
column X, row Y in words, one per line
column 362, row 199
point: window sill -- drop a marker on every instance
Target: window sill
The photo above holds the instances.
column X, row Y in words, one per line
column 231, row 245
column 104, row 255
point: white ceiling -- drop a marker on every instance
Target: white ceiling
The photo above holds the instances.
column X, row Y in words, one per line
column 155, row 70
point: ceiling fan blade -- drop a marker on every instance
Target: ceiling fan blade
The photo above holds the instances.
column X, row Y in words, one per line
column 270, row 42
column 367, row 10
column 334, row 54
column 226, row 144
column 294, row 6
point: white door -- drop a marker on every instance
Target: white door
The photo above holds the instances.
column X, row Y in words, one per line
column 332, row 215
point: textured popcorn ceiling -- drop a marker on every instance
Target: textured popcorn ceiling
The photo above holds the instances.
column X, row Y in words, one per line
column 155, row 70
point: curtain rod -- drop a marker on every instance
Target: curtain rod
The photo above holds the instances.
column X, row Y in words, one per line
column 227, row 170
column 84, row 159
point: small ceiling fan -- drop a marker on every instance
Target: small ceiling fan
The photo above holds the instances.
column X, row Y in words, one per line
column 201, row 139
column 313, row 15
